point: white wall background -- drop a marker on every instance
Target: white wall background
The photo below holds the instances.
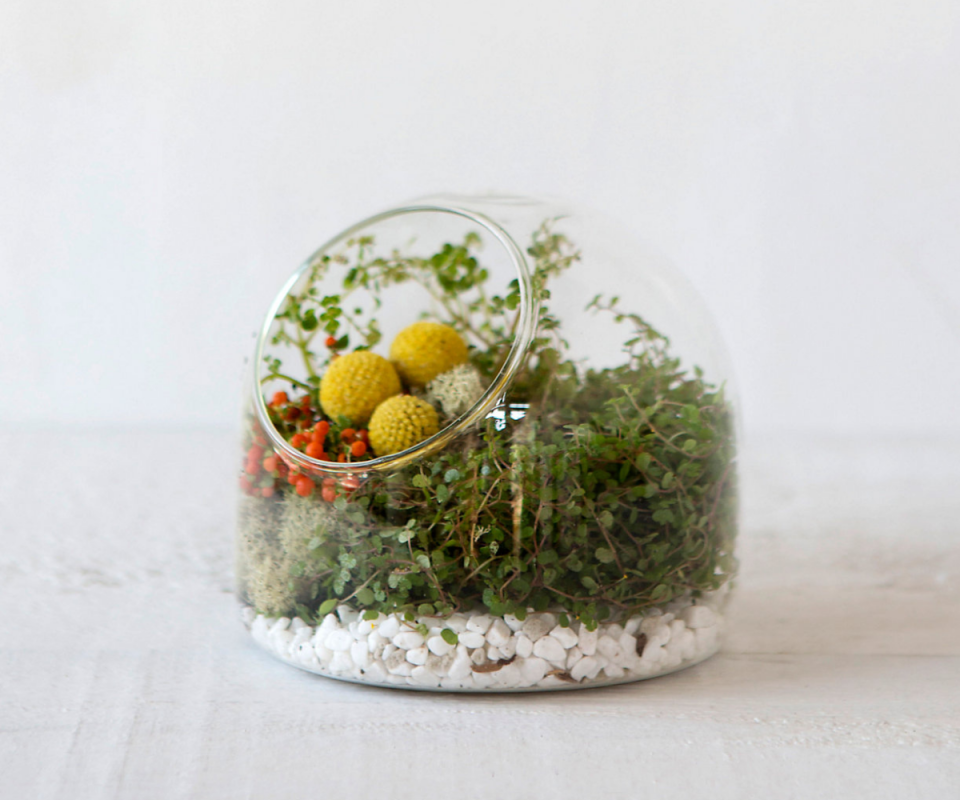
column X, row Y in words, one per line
column 164, row 165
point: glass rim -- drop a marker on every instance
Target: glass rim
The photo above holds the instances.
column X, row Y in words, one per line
column 488, row 401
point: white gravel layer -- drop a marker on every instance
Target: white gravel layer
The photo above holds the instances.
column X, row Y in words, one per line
column 492, row 653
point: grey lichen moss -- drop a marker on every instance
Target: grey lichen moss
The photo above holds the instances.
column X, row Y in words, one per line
column 274, row 544
column 455, row 391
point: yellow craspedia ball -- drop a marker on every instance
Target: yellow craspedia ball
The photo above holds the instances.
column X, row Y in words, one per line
column 355, row 384
column 426, row 349
column 401, row 422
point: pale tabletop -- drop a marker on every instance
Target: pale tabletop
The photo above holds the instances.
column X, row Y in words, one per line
column 125, row 672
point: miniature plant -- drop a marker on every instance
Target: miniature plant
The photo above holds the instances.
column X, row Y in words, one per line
column 598, row 491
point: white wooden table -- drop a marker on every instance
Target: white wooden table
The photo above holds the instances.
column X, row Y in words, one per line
column 125, row 673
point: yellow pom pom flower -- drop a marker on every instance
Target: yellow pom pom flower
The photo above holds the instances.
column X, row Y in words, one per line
column 355, row 384
column 401, row 422
column 426, row 349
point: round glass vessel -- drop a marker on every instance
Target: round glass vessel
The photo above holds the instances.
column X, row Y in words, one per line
column 473, row 460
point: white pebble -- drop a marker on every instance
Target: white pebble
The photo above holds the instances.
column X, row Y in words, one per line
column 699, row 617
column 248, row 615
column 628, row 644
column 574, row 654
column 439, row 646
column 341, row 662
column 397, row 664
column 483, row 680
column 389, row 628
column 306, row 655
column 613, row 631
column 587, row 641
column 457, row 623
column 480, row 623
column 493, row 653
column 524, row 646
column 677, row 627
column 508, row 676
column 280, row 625
column 347, row 615
column 514, row 623
column 324, row 653
column 614, row 671
column 360, row 654
column 329, row 623
column 565, row 636
column 366, row 626
column 339, row 641
column 610, row 649
column 460, row 667
column 281, row 641
column 296, row 624
column 586, row 667
column 440, row 665
column 650, row 625
column 376, row 672
column 421, row 676
column 533, row 670
column 408, row 640
column 418, row 656
column 498, row 633
column 479, row 657
column 472, row 639
column 375, row 642
column 304, row 634
column 550, row 649
column 509, row 648
column 633, row 625
column 536, row 626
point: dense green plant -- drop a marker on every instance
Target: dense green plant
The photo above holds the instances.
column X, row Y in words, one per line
column 599, row 491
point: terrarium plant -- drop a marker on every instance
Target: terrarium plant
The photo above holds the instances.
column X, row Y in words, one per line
column 593, row 494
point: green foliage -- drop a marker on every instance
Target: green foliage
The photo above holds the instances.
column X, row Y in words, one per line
column 604, row 491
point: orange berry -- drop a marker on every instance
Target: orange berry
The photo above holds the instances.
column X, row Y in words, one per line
column 293, row 477
column 315, row 449
column 364, row 436
column 321, row 430
column 304, row 486
column 270, row 463
column 291, row 413
column 298, row 439
column 351, row 483
column 329, row 494
column 255, row 453
column 342, row 457
column 347, row 433
column 358, row 448
column 245, row 485
column 267, row 491
column 331, row 341
column 279, row 399
column 329, row 481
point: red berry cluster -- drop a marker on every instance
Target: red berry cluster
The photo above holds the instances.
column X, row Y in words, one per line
column 301, row 423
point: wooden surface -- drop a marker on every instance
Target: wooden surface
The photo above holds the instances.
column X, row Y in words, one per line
column 124, row 672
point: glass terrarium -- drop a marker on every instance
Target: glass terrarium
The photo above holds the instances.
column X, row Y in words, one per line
column 488, row 445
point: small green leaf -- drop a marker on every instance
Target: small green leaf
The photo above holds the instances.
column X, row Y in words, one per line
column 604, row 555
column 449, row 636
column 327, row 606
column 365, row 597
